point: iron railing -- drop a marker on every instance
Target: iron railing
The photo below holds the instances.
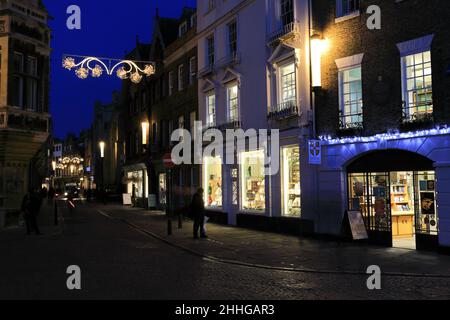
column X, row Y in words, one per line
column 284, row 110
column 285, row 31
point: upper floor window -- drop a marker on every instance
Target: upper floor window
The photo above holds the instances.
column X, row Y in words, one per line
column 233, row 102
column 181, row 77
column 210, row 51
column 417, row 85
column 18, row 62
column 171, row 82
column 32, row 66
column 350, row 97
column 193, row 20
column 192, row 70
column 211, row 4
column 346, row 7
column 232, row 38
column 181, row 122
column 211, row 109
column 287, row 11
column 288, row 84
column 182, row 29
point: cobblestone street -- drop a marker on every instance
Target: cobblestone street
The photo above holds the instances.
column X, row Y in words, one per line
column 120, row 262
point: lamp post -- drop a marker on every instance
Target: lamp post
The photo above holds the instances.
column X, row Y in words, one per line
column 102, row 158
column 145, row 140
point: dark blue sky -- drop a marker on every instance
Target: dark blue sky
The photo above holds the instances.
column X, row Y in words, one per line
column 108, row 30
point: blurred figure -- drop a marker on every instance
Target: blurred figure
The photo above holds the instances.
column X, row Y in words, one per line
column 31, row 205
column 198, row 213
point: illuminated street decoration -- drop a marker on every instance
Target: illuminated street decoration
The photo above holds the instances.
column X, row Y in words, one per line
column 96, row 67
column 387, row 136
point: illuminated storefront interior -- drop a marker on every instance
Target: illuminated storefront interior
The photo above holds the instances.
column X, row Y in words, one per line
column 253, row 192
column 212, row 181
column 290, row 183
column 399, row 203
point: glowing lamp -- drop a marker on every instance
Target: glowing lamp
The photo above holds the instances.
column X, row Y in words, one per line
column 319, row 45
column 102, row 149
column 145, row 126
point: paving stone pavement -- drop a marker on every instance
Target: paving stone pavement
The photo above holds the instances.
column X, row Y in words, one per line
column 284, row 251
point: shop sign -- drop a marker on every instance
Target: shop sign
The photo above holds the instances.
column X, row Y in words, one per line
column 127, row 199
column 315, row 152
column 359, row 231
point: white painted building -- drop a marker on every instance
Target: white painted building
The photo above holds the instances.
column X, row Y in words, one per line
column 254, row 74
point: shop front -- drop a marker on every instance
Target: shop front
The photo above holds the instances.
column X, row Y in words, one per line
column 400, row 183
column 136, row 184
column 395, row 191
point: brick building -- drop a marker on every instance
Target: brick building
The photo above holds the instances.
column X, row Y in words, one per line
column 382, row 111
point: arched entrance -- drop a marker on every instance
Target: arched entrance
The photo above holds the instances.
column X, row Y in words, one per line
column 395, row 191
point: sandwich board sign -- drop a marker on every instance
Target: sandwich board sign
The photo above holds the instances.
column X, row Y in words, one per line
column 315, row 152
column 359, row 231
column 127, row 199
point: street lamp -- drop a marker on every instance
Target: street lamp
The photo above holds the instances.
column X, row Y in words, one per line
column 102, row 145
column 144, row 126
column 319, row 45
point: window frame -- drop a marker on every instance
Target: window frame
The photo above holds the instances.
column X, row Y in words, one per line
column 342, row 105
column 181, row 77
column 406, row 104
column 280, row 87
column 229, row 87
column 344, row 12
column 208, row 114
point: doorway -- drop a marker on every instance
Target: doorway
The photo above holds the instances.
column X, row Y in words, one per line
column 399, row 207
column 402, row 197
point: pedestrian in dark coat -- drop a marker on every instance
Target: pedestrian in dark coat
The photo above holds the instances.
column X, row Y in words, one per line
column 31, row 205
column 198, row 213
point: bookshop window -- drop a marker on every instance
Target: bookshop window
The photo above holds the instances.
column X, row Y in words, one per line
column 253, row 181
column 212, row 176
column 291, row 181
column 427, row 218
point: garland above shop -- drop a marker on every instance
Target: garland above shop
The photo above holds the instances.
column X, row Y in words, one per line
column 441, row 130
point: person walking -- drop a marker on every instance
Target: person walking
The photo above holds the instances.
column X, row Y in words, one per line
column 31, row 205
column 198, row 213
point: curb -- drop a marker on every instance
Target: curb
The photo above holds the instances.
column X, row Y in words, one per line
column 260, row 266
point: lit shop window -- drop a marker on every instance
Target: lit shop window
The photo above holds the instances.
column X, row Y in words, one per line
column 417, row 86
column 162, row 188
column 427, row 219
column 212, row 181
column 253, row 181
column 291, row 181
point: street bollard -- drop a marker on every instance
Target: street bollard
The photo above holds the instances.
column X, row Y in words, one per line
column 169, row 227
column 56, row 212
column 180, row 221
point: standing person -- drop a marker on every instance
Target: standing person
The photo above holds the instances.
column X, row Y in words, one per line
column 31, row 205
column 198, row 213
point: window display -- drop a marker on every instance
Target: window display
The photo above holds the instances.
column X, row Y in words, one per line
column 291, row 181
column 253, row 181
column 162, row 188
column 427, row 219
column 212, row 177
column 135, row 184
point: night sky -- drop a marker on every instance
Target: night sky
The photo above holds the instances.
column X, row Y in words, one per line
column 107, row 30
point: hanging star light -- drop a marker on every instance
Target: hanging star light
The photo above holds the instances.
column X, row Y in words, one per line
column 125, row 69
